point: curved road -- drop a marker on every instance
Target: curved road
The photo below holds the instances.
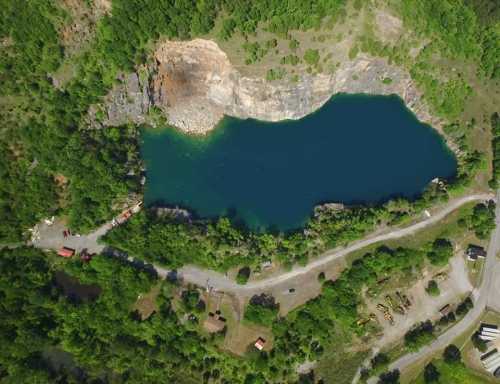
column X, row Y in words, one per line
column 486, row 295
column 51, row 238
column 218, row 281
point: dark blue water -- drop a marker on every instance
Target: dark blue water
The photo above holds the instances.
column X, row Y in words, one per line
column 356, row 148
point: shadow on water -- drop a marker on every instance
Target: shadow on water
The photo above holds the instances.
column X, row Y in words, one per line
column 237, row 220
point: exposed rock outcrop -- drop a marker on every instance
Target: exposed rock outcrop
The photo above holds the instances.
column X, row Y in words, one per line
column 195, row 85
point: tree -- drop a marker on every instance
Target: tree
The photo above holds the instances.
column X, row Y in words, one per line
column 420, row 335
column 483, row 219
column 391, row 377
column 321, row 277
column 431, row 373
column 465, row 306
column 432, row 288
column 379, row 359
column 311, row 56
column 440, row 252
column 262, row 309
column 243, row 275
column 479, row 343
column 452, row 354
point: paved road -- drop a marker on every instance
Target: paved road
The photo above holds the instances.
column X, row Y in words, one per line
column 488, row 294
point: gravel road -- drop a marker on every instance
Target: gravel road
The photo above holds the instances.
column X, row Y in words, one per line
column 486, row 295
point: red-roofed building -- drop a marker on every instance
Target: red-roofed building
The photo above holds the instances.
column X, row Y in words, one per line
column 66, row 252
column 259, row 344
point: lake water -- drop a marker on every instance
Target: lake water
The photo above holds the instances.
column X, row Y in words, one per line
column 356, row 148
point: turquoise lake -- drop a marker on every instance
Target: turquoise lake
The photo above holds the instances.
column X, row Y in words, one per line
column 355, row 149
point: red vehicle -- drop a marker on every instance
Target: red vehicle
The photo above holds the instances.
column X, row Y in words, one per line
column 66, row 252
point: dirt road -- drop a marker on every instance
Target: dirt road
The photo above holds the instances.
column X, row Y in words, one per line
column 51, row 238
column 487, row 295
column 218, row 281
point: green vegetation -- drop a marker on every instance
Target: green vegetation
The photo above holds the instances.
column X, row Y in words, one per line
column 353, row 52
column 262, row 310
column 482, row 220
column 455, row 29
column 293, row 45
column 191, row 301
column 441, row 252
column 102, row 333
column 449, row 370
column 387, row 80
column 220, row 245
column 419, row 336
column 495, row 144
column 275, row 74
column 243, row 275
column 311, row 56
column 391, row 377
column 431, row 373
column 432, row 288
column 290, row 60
column 479, row 343
column 456, row 373
column 452, row 354
column 102, row 336
column 254, row 52
column 44, row 137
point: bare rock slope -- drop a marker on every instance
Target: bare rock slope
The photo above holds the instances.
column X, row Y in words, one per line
column 194, row 84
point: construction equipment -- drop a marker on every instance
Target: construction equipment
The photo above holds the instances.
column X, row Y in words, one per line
column 440, row 276
column 382, row 308
column 396, row 308
column 371, row 317
column 389, row 318
column 387, row 314
column 361, row 322
column 404, row 300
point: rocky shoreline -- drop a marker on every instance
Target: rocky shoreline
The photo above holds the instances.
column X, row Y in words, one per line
column 194, row 85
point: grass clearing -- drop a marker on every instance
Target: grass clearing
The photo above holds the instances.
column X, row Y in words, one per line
column 454, row 373
column 342, row 359
column 332, row 42
column 146, row 304
column 341, row 368
column 414, row 373
column 241, row 336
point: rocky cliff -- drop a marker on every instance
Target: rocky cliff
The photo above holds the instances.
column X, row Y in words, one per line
column 194, row 84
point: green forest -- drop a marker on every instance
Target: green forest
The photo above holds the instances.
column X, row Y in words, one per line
column 53, row 163
column 89, row 331
column 43, row 127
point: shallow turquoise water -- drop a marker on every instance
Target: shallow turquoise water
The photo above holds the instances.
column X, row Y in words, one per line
column 354, row 149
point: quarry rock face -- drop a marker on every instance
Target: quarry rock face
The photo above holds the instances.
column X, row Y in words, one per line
column 194, row 85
